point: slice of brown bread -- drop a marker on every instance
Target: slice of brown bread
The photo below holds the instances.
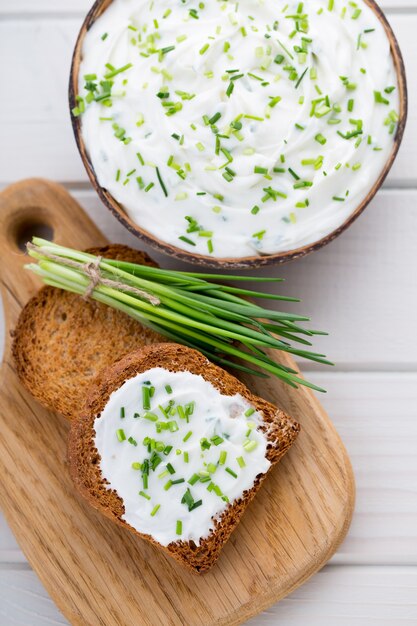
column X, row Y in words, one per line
column 280, row 429
column 62, row 341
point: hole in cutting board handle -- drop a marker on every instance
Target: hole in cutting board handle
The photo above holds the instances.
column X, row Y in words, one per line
column 24, row 231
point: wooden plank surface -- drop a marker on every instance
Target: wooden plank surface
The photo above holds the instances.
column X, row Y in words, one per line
column 336, row 596
column 63, row 7
column 40, row 138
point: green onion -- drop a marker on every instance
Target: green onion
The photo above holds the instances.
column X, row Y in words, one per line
column 223, row 456
column 191, row 308
column 231, row 472
column 178, row 528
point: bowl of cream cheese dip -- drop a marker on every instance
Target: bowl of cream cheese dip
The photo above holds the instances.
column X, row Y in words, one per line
column 237, row 134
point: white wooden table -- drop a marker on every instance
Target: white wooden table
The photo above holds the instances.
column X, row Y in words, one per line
column 362, row 288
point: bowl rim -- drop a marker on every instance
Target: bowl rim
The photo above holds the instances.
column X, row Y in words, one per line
column 249, row 262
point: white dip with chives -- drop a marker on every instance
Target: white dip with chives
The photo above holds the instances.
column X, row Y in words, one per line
column 177, row 452
column 238, row 128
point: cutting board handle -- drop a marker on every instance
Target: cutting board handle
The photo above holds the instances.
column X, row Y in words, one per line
column 36, row 207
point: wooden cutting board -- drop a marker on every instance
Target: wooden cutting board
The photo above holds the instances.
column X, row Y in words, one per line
column 99, row 574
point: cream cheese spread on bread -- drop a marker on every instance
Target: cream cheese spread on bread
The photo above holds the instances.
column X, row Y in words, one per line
column 177, row 452
column 233, row 129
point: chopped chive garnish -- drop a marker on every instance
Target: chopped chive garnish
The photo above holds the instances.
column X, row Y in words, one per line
column 155, row 509
column 188, row 435
column 114, row 72
column 167, row 49
column 320, row 139
column 178, row 481
column 249, row 412
column 379, row 98
column 187, row 240
column 231, row 472
column 136, row 465
column 178, row 528
column 161, row 182
column 170, row 468
column 146, row 398
column 132, row 441
column 250, row 445
column 168, row 485
column 168, row 388
column 223, row 456
column 194, row 479
column 122, row 412
column 121, row 434
column 150, row 416
column 144, row 495
column 241, row 461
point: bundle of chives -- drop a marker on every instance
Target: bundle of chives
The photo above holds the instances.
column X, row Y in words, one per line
column 194, row 309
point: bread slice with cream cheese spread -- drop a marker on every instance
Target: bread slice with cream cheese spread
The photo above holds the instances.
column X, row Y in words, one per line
column 278, row 429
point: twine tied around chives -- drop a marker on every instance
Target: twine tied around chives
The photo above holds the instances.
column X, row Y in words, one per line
column 92, row 271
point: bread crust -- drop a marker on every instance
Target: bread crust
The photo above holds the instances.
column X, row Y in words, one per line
column 84, row 459
column 61, row 341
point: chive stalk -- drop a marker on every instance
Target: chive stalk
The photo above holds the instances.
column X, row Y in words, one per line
column 195, row 309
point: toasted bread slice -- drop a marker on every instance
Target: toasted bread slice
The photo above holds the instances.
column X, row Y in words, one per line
column 61, row 341
column 84, row 458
